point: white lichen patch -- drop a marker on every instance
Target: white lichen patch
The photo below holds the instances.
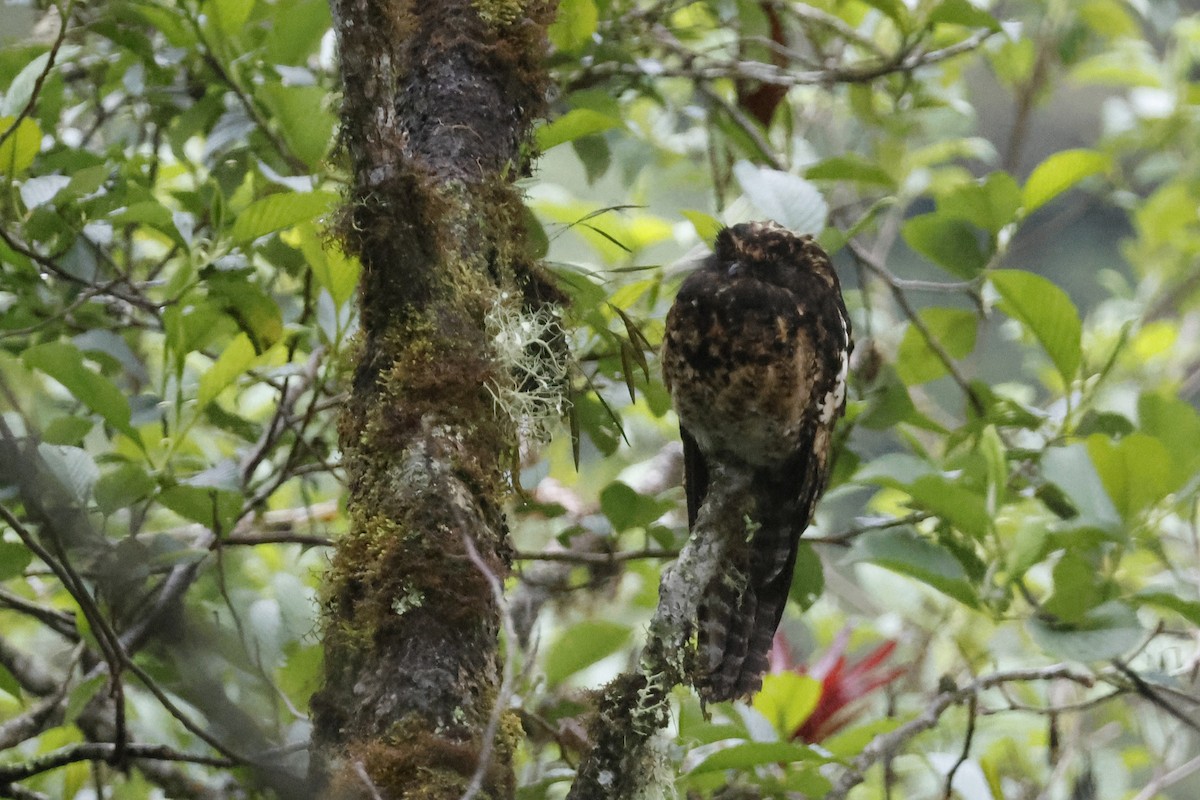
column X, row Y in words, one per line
column 536, row 367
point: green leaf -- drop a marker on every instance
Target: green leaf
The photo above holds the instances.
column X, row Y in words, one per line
column 215, row 509
column 9, row 683
column 754, row 754
column 626, row 509
column 296, row 35
column 122, row 487
column 1105, row 632
column 574, row 25
column 14, row 558
column 595, row 155
column 302, row 673
column 21, row 146
column 962, row 12
column 238, row 357
column 306, row 124
column 1188, row 609
column 574, row 124
column 788, row 199
column 963, row 508
column 1136, row 471
column 582, row 645
column 228, row 16
column 67, row 430
column 81, row 695
column 1076, row 588
column 278, row 211
column 953, row 328
column 18, row 92
column 707, row 227
column 808, row 578
column 1071, row 469
column 1058, row 173
column 150, row 213
column 787, row 699
column 950, row 243
column 333, row 270
column 989, row 204
column 850, row 742
column 894, row 10
column 1109, row 18
column 897, row 470
column 1046, row 312
column 73, row 467
column 902, row 551
column 64, row 363
column 1176, row 424
column 256, row 313
column 849, row 167
column 1030, row 545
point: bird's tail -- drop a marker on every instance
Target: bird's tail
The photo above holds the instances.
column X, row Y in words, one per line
column 742, row 609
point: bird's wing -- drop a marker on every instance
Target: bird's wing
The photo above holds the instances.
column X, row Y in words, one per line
column 695, row 475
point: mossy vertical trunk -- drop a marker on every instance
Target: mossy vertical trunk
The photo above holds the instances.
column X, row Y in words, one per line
column 439, row 99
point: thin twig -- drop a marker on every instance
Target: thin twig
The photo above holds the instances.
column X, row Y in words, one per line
column 886, row 745
column 861, row 254
column 1154, row 787
column 972, row 709
column 508, row 678
column 41, row 78
column 575, row 557
column 102, row 751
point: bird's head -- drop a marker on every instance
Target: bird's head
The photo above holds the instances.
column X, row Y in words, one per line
column 767, row 251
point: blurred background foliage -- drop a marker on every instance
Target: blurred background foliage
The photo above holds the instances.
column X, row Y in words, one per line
column 1009, row 548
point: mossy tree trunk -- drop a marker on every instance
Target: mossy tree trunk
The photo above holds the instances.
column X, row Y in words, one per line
column 439, row 101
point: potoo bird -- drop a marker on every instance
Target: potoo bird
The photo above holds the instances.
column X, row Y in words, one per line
column 755, row 356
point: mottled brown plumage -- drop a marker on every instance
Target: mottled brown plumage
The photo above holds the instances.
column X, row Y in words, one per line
column 755, row 356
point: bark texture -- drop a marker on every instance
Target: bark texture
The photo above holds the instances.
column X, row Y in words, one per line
column 438, row 103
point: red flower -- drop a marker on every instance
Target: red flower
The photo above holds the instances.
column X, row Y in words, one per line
column 842, row 686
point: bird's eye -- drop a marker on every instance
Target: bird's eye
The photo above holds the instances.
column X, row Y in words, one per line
column 735, row 268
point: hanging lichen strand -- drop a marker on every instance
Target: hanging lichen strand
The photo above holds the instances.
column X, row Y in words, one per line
column 438, row 103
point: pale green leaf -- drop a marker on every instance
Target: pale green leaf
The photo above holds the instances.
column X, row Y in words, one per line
column 902, row 551
column 787, row 699
column 576, row 123
column 228, row 16
column 1058, row 173
column 582, row 645
column 1105, row 632
column 1047, row 312
column 788, row 199
column 1071, row 469
column 962, row 12
column 951, row 243
column 81, row 694
column 1136, row 471
column 954, row 329
column 574, row 24
column 333, row 270
column 849, row 167
column 21, row 146
column 122, row 487
column 278, row 211
column 707, row 227
column 753, row 754
column 64, row 363
column 233, row 362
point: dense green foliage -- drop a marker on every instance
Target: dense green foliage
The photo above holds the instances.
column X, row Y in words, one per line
column 1012, row 206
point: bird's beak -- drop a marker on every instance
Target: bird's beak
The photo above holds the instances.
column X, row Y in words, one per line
column 735, row 268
